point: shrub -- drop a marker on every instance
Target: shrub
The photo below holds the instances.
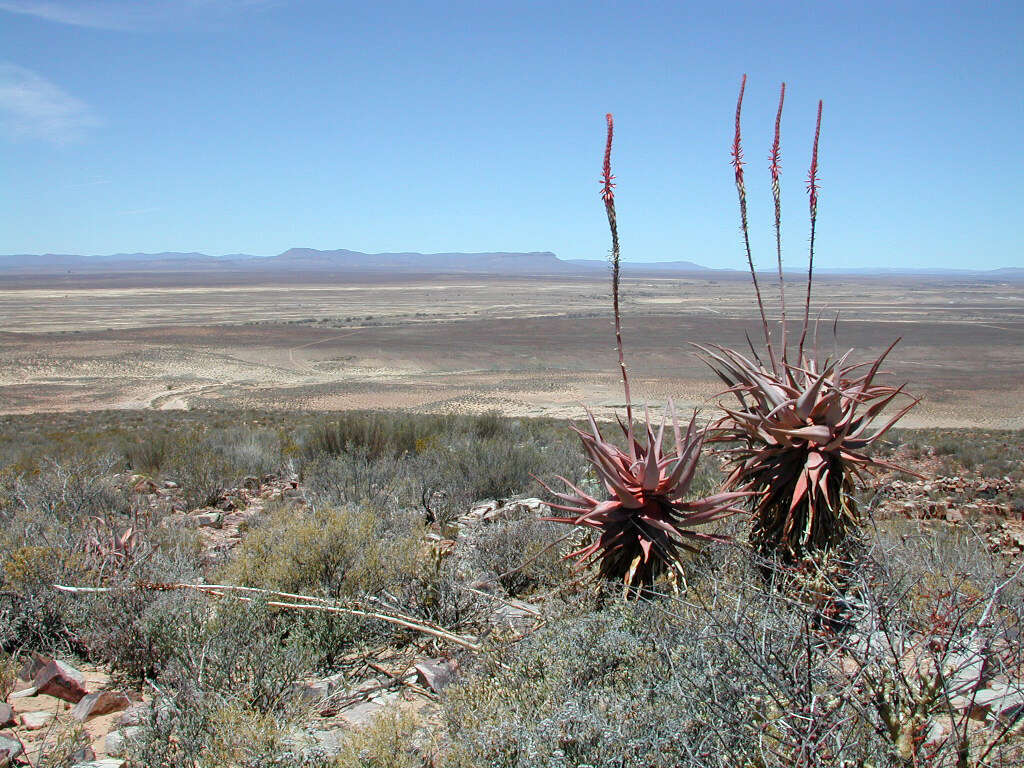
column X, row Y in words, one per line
column 522, row 554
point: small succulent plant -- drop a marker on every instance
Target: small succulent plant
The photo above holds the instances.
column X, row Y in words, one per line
column 802, row 425
column 647, row 520
column 802, row 437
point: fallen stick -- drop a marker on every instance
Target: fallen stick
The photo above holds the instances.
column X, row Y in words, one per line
column 317, row 604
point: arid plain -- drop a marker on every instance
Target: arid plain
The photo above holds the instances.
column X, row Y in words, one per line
column 524, row 346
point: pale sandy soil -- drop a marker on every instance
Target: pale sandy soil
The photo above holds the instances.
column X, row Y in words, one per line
column 525, row 347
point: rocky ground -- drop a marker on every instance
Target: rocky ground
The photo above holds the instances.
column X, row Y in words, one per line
column 51, row 693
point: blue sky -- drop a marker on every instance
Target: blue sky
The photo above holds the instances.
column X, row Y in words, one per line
column 253, row 126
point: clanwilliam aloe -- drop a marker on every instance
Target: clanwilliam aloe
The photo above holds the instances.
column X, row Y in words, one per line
column 802, row 425
column 647, row 519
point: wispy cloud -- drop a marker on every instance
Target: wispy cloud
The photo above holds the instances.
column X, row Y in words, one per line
column 92, row 183
column 137, row 211
column 121, row 14
column 33, row 107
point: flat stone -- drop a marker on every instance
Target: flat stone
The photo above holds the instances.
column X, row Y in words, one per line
column 31, row 668
column 9, row 749
column 364, row 713
column 436, row 675
column 114, row 744
column 6, row 715
column 110, row 762
column 33, row 721
column 999, row 698
column 100, row 703
column 206, row 519
column 61, row 681
column 24, row 693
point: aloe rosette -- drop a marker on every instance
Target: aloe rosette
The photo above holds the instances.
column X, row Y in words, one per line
column 802, row 437
column 647, row 520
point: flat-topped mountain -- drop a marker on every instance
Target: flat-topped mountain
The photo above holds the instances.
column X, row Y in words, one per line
column 342, row 261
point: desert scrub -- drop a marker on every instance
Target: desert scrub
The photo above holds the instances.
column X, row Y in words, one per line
column 339, row 553
column 334, row 551
column 9, row 667
column 189, row 731
column 384, row 743
column 522, row 554
column 625, row 686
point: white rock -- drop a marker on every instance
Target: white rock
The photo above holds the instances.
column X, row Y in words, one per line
column 116, row 741
column 9, row 749
column 33, row 721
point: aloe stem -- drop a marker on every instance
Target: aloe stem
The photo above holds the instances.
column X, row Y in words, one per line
column 776, row 167
column 812, row 192
column 741, row 189
column 608, row 195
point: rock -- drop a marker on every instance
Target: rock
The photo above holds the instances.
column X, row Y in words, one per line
column 206, row 519
column 142, row 713
column 24, row 693
column 33, row 721
column 6, row 715
column 137, row 714
column 364, row 713
column 318, row 690
column 110, row 762
column 435, row 675
column 1000, row 698
column 953, row 516
column 83, row 755
column 99, row 703
column 116, row 741
column 31, row 668
column 144, row 485
column 9, row 749
column 170, row 485
column 61, row 681
column 330, row 742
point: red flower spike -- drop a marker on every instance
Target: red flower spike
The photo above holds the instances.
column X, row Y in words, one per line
column 737, row 149
column 776, row 163
column 812, row 175
column 607, row 186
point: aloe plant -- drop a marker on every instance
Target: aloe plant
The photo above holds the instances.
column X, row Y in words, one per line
column 802, row 425
column 647, row 520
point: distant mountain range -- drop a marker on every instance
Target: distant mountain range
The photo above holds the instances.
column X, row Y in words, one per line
column 309, row 260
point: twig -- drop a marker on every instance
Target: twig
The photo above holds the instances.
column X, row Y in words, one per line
column 317, row 604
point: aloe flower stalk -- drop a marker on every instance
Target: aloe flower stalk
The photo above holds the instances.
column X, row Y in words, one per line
column 647, row 520
column 802, row 426
column 776, row 169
